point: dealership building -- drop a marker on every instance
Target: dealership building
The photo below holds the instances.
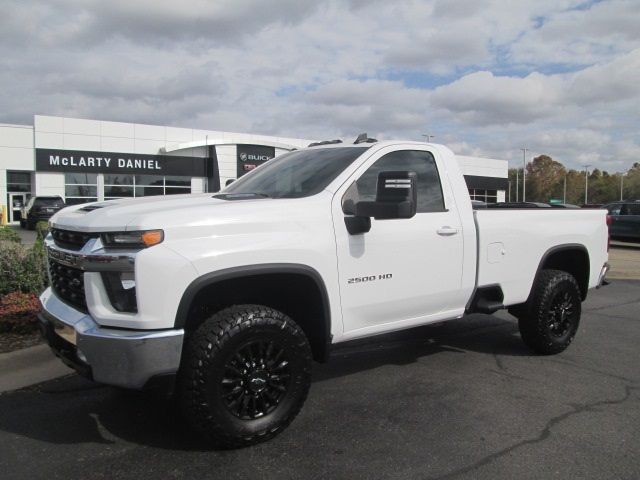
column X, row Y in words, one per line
column 88, row 160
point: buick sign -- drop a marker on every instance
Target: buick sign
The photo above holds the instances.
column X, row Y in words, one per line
column 252, row 156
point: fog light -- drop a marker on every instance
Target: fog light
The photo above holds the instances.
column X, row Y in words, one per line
column 128, row 281
column 121, row 290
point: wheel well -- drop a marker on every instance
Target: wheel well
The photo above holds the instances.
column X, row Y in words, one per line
column 298, row 295
column 573, row 260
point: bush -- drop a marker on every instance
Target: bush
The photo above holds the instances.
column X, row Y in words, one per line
column 22, row 269
column 42, row 230
column 9, row 234
column 18, row 313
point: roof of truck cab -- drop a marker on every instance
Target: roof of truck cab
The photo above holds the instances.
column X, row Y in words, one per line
column 384, row 143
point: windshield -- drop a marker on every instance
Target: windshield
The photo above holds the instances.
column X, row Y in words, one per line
column 293, row 175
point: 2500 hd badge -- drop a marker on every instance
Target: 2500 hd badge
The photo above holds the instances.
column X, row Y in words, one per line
column 370, row 278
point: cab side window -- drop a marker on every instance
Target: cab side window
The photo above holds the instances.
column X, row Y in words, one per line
column 633, row 208
column 430, row 198
column 614, row 209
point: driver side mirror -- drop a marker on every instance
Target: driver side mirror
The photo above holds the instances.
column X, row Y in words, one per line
column 396, row 197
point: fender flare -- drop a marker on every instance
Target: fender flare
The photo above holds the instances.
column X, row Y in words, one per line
column 559, row 248
column 212, row 278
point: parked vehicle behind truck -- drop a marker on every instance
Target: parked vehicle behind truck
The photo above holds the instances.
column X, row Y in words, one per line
column 40, row 209
column 625, row 220
column 227, row 298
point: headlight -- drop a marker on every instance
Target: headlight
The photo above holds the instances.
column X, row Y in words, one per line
column 140, row 239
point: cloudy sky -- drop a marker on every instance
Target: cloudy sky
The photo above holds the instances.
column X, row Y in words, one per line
column 487, row 78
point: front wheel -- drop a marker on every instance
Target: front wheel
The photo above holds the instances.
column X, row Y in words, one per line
column 550, row 319
column 245, row 376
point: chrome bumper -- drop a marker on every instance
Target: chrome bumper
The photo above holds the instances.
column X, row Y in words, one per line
column 602, row 278
column 124, row 358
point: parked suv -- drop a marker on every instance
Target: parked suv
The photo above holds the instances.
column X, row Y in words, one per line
column 625, row 220
column 40, row 209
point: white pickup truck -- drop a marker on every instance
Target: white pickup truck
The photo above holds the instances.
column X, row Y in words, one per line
column 227, row 298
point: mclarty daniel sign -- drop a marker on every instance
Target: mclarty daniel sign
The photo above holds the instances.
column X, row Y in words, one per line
column 252, row 156
column 48, row 160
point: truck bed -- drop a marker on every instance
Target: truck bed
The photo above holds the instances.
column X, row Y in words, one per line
column 512, row 242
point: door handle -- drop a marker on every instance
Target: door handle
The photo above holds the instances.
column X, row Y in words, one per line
column 447, row 231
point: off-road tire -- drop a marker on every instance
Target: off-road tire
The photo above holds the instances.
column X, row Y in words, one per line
column 209, row 351
column 545, row 326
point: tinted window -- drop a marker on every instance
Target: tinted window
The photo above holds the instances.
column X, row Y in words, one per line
column 614, row 209
column 296, row 174
column 632, row 208
column 429, row 189
column 49, row 202
column 118, row 179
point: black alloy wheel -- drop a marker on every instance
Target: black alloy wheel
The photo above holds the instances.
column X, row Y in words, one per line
column 245, row 375
column 561, row 314
column 255, row 380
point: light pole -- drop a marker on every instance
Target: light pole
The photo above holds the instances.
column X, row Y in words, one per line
column 427, row 137
column 524, row 174
column 517, row 183
column 621, row 184
column 586, row 182
column 564, row 196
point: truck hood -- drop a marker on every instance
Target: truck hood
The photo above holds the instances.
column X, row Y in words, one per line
column 171, row 212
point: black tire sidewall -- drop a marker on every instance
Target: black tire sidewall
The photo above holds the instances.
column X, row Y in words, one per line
column 560, row 287
column 206, row 353
column 297, row 387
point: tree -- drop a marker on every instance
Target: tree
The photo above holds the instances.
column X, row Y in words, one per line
column 545, row 179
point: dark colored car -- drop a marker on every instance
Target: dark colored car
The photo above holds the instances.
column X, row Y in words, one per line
column 40, row 209
column 625, row 220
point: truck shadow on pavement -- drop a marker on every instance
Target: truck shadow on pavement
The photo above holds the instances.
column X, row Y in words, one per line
column 72, row 410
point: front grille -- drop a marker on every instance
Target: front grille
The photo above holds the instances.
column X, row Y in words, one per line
column 71, row 240
column 68, row 284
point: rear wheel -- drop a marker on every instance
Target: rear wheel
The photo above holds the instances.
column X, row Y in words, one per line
column 550, row 320
column 246, row 375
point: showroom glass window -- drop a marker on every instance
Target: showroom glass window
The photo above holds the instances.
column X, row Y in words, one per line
column 80, row 188
column 430, row 197
column 148, row 185
column 487, row 196
column 177, row 185
column 18, row 182
column 117, row 186
column 122, row 186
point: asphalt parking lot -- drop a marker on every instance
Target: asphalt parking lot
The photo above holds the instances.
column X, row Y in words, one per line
column 463, row 400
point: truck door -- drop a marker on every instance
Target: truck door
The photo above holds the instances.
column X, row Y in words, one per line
column 402, row 272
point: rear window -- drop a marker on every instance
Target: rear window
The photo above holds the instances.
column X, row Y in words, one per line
column 48, row 202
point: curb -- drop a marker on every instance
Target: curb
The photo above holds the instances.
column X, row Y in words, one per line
column 28, row 366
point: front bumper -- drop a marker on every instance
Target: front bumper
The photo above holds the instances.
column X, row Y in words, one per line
column 134, row 359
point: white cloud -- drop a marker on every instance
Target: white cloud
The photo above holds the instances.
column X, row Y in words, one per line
column 479, row 75
column 582, row 36
column 482, row 97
